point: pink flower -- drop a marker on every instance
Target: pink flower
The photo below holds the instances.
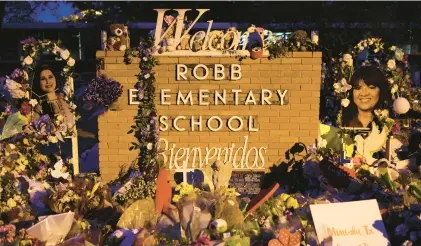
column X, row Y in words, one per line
column 357, row 161
column 202, row 240
column 396, row 128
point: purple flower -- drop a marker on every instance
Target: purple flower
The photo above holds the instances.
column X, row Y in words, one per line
column 29, row 40
column 19, row 76
column 103, row 91
column 42, row 125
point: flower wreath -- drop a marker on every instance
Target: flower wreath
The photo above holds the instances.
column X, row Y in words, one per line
column 391, row 61
column 19, row 87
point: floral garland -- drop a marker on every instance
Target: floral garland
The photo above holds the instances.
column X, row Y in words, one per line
column 146, row 128
column 391, row 61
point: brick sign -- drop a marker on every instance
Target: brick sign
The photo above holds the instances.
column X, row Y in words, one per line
column 274, row 104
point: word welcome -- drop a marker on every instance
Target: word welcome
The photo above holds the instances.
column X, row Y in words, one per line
column 201, row 36
column 239, row 157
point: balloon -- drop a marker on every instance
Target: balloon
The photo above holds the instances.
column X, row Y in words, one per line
column 401, row 105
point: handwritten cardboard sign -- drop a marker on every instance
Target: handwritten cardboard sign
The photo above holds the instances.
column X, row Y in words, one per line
column 350, row 223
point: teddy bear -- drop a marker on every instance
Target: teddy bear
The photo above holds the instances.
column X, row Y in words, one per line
column 119, row 38
column 184, row 44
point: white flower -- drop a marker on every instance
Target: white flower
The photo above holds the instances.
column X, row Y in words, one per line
column 376, row 50
column 382, row 113
column 57, row 171
column 348, row 59
column 66, row 89
column 52, row 139
column 118, row 234
column 393, row 48
column 33, row 102
column 73, row 106
column 71, row 62
column 370, row 41
column 65, row 69
column 399, row 54
column 62, row 128
column 345, row 102
column 147, row 76
column 394, row 89
column 342, row 86
column 145, row 58
column 28, row 60
column 391, row 64
column 365, row 43
column 361, row 48
column 321, row 142
column 315, row 39
column 14, row 89
column 391, row 81
column 65, row 54
column 98, row 13
column 149, row 146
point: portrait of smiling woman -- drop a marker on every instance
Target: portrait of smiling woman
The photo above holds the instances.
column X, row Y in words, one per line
column 370, row 91
column 46, row 90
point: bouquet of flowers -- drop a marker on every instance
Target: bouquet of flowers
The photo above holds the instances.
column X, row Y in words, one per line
column 101, row 93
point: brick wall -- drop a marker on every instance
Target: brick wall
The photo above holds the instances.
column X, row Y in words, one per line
column 279, row 126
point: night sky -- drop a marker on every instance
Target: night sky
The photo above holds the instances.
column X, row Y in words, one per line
column 64, row 10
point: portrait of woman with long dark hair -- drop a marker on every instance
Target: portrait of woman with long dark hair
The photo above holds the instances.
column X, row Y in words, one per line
column 370, row 91
column 45, row 88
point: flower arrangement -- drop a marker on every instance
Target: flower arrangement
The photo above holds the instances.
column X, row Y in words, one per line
column 299, row 41
column 101, row 93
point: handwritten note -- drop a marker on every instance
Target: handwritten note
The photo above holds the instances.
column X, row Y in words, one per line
column 350, row 223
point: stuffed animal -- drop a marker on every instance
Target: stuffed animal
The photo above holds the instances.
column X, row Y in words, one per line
column 215, row 39
column 184, row 44
column 119, row 38
column 171, row 45
column 110, row 43
column 229, row 38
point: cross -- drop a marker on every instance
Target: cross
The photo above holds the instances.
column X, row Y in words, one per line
column 185, row 170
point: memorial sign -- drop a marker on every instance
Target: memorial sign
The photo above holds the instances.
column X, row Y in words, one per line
column 212, row 106
column 247, row 183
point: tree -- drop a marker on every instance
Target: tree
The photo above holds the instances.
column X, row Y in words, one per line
column 24, row 11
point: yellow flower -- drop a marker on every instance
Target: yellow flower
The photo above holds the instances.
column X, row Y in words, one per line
column 292, row 203
column 284, row 197
column 11, row 203
column 25, row 141
column 60, row 117
column 176, row 198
